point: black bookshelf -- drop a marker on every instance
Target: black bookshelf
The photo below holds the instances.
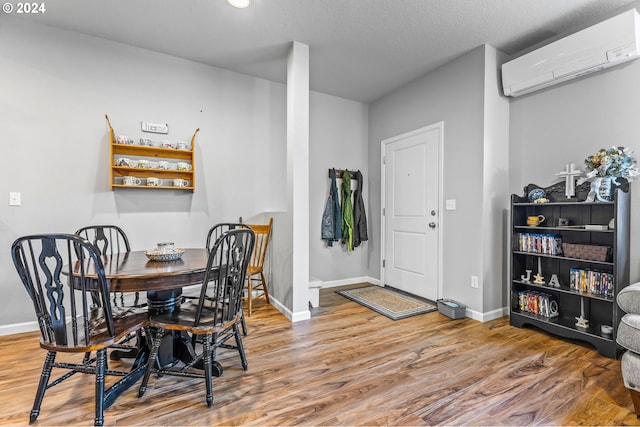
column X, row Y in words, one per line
column 599, row 307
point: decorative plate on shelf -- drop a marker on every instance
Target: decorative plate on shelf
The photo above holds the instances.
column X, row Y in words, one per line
column 156, row 255
column 535, row 194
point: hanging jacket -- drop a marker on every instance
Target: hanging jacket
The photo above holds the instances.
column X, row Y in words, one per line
column 359, row 214
column 347, row 210
column 332, row 217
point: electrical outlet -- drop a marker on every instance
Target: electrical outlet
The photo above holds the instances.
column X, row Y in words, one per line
column 15, row 199
column 474, row 281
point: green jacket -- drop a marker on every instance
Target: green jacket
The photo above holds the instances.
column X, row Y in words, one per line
column 347, row 210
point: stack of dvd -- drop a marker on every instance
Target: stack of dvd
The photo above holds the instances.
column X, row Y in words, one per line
column 592, row 281
column 547, row 244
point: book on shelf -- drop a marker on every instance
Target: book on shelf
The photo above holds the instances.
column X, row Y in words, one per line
column 592, row 281
column 546, row 244
column 537, row 303
column 596, row 227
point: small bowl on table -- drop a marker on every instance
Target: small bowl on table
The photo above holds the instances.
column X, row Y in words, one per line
column 164, row 255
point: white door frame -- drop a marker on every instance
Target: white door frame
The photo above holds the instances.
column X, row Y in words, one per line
column 383, row 146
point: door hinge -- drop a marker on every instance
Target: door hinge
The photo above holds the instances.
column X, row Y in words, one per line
column 383, row 212
column 384, row 160
column 384, row 263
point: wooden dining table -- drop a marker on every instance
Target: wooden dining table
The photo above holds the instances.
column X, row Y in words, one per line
column 163, row 281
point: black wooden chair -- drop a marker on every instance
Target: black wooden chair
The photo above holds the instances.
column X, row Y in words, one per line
column 213, row 235
column 218, row 230
column 59, row 272
column 216, row 314
column 109, row 240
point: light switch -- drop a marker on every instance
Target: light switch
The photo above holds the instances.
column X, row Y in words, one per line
column 14, row 199
column 450, row 204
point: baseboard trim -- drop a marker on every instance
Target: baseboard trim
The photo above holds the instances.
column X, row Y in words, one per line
column 351, row 281
column 293, row 317
column 18, row 328
column 488, row 316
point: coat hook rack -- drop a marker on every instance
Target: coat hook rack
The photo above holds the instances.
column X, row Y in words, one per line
column 340, row 171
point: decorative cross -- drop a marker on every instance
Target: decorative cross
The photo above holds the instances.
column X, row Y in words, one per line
column 570, row 185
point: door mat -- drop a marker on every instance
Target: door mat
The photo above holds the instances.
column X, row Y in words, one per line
column 387, row 302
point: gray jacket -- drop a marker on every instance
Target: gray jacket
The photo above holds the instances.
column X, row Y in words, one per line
column 332, row 216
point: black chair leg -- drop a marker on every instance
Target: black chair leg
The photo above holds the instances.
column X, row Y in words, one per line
column 101, row 362
column 152, row 360
column 243, row 357
column 208, row 372
column 244, row 324
column 42, row 385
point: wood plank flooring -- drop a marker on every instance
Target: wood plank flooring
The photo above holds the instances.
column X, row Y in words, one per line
column 351, row 366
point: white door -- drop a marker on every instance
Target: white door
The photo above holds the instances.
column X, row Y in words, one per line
column 411, row 208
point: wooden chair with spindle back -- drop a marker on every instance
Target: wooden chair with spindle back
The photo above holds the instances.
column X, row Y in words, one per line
column 255, row 271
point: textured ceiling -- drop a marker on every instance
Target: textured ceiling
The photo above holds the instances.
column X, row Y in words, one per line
column 359, row 49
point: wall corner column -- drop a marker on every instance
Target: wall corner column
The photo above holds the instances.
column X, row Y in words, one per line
column 298, row 174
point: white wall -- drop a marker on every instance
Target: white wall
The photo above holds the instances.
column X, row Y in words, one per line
column 338, row 140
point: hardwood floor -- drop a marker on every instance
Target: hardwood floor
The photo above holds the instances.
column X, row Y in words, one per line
column 351, row 366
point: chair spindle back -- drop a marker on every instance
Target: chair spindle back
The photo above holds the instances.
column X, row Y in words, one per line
column 108, row 239
column 223, row 284
column 218, row 230
column 60, row 272
column 263, row 233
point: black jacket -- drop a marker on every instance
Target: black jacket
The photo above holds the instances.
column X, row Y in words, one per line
column 359, row 215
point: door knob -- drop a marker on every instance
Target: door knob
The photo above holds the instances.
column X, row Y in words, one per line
column 432, row 224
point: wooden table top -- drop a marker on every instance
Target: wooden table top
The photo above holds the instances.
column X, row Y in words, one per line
column 134, row 272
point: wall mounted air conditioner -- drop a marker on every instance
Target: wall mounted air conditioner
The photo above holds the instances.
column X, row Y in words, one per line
column 600, row 46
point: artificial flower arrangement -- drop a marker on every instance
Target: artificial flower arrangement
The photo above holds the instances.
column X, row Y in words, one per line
column 616, row 162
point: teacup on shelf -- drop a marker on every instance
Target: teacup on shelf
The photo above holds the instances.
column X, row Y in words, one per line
column 154, row 182
column 123, row 139
column 131, row 180
column 125, row 162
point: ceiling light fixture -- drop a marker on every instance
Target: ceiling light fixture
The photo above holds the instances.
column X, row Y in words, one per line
column 240, row 4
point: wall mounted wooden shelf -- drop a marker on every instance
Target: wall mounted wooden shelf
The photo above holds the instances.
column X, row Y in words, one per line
column 175, row 168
